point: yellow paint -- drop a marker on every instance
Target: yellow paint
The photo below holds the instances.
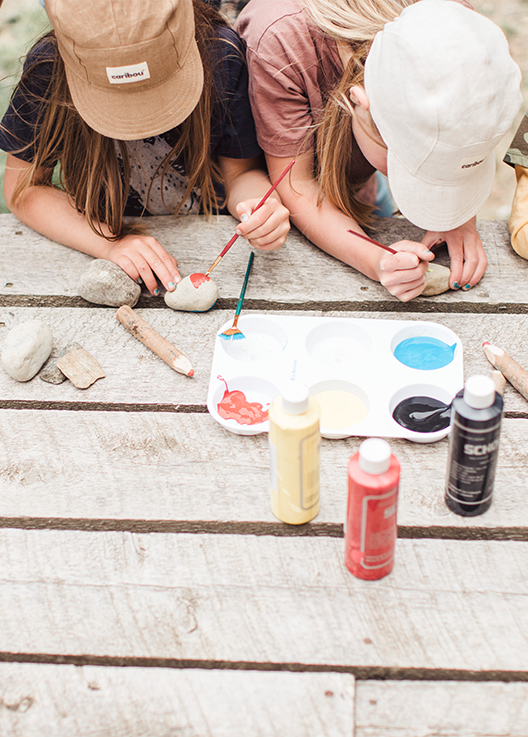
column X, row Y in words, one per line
column 340, row 409
column 294, row 463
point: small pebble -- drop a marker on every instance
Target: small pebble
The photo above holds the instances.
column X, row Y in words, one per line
column 195, row 293
column 52, row 373
column 105, row 283
column 27, row 347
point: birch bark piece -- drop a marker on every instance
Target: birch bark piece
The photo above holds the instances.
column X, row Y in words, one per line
column 27, row 347
column 436, row 280
column 195, row 293
column 81, row 368
column 51, row 374
column 105, row 283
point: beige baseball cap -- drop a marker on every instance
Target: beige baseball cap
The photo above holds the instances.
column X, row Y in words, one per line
column 133, row 66
column 443, row 91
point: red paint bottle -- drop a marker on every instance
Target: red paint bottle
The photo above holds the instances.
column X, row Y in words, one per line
column 371, row 528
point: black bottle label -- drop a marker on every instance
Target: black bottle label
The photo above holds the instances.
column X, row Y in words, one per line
column 472, row 461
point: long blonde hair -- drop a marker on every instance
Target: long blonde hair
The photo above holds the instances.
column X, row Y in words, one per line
column 90, row 171
column 355, row 22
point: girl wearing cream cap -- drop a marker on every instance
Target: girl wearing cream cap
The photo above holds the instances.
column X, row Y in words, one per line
column 420, row 91
column 143, row 104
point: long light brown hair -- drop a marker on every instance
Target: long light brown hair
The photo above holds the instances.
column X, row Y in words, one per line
column 356, row 23
column 90, row 171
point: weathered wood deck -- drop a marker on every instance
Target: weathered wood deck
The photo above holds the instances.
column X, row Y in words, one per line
column 147, row 589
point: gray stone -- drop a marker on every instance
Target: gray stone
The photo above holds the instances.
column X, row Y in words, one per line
column 52, row 373
column 27, row 347
column 436, row 280
column 105, row 283
column 193, row 297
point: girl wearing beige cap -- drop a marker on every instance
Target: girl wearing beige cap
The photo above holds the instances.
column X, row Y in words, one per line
column 143, row 104
column 420, row 91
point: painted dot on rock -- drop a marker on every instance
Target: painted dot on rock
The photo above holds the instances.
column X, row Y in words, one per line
column 198, row 279
column 424, row 353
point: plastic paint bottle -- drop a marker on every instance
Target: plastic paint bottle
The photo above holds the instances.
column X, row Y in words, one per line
column 371, row 528
column 294, row 440
column 473, row 447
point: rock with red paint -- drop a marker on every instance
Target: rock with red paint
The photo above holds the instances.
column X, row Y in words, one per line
column 195, row 293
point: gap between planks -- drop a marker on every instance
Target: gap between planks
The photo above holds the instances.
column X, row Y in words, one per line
column 123, row 407
column 257, row 529
column 361, row 673
column 427, row 306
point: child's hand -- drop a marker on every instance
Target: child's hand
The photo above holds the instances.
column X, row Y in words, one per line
column 141, row 256
column 265, row 228
column 403, row 273
column 468, row 259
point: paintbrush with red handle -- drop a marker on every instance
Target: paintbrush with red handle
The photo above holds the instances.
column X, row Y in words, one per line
column 262, row 201
column 371, row 240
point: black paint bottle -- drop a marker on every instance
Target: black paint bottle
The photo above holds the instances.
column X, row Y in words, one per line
column 473, row 447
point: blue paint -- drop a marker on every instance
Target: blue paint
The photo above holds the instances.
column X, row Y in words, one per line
column 424, row 353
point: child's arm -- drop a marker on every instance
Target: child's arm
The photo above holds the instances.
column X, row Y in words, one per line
column 403, row 274
column 518, row 223
column 49, row 211
column 247, row 183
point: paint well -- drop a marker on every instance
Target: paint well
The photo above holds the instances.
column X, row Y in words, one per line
column 423, row 414
column 340, row 409
column 235, row 406
column 424, row 353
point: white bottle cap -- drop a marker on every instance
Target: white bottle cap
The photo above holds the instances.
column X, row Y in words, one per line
column 479, row 392
column 295, row 399
column 374, row 456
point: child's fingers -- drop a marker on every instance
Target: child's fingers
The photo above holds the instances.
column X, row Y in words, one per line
column 163, row 265
column 267, row 227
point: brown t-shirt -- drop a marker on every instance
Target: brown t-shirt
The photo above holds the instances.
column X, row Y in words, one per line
column 292, row 68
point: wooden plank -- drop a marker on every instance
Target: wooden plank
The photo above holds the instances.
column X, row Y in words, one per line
column 91, row 701
column 150, row 469
column 448, row 606
column 196, row 243
column 442, row 709
column 134, row 375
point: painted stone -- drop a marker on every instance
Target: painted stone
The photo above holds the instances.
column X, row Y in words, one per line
column 27, row 347
column 436, row 280
column 105, row 283
column 195, row 293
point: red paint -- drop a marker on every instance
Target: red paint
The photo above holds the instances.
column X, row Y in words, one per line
column 198, row 279
column 234, row 406
column 371, row 528
column 190, row 373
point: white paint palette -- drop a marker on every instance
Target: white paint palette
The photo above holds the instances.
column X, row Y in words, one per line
column 350, row 359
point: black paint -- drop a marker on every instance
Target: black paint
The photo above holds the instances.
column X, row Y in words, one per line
column 473, row 453
column 423, row 414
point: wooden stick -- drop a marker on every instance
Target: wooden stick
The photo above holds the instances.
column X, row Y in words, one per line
column 499, row 380
column 262, row 201
column 153, row 340
column 514, row 373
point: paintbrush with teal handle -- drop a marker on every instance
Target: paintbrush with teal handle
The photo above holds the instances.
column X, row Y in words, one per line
column 234, row 332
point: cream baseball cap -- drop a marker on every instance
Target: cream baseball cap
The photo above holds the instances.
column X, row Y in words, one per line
column 443, row 90
column 133, row 66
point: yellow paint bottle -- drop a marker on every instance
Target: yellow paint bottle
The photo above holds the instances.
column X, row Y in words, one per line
column 294, row 440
